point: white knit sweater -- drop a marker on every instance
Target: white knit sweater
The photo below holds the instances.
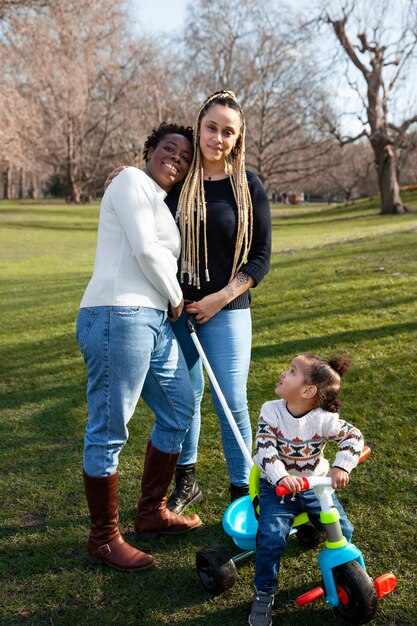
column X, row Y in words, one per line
column 288, row 445
column 138, row 246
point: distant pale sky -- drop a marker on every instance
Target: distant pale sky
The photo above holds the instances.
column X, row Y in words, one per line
column 159, row 15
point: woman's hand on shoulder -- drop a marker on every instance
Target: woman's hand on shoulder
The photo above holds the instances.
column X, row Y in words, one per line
column 113, row 174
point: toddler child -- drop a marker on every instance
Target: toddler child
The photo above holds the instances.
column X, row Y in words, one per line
column 290, row 440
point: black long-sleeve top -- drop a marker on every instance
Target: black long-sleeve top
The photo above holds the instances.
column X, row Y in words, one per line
column 221, row 229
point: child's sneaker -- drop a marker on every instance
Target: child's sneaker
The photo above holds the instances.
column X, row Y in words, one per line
column 261, row 613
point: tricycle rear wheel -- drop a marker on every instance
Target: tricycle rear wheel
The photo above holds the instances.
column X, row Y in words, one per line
column 216, row 568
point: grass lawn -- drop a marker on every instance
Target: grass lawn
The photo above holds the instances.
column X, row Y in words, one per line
column 343, row 279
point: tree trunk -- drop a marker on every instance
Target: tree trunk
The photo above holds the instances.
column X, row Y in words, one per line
column 34, row 190
column 21, row 187
column 74, row 194
column 74, row 190
column 386, row 166
column 7, row 183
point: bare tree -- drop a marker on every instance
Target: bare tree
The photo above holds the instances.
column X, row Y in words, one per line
column 381, row 54
column 345, row 172
column 20, row 131
column 216, row 36
column 256, row 50
column 153, row 94
column 78, row 78
column 79, row 94
column 8, row 8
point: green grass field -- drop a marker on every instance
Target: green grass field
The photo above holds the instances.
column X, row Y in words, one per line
column 343, row 279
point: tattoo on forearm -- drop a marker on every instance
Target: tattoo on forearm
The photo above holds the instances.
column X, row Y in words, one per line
column 242, row 279
column 239, row 280
column 229, row 290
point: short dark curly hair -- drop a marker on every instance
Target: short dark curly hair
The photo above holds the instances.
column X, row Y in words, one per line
column 161, row 131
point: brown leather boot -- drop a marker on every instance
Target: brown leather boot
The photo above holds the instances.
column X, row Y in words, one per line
column 105, row 543
column 153, row 518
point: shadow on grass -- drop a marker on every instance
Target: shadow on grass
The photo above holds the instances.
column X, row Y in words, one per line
column 170, row 590
column 312, row 344
column 51, row 211
column 81, row 226
column 43, row 293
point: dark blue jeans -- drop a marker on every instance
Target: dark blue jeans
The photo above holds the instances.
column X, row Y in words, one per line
column 274, row 526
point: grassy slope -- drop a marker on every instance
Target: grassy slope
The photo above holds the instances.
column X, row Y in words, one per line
column 342, row 279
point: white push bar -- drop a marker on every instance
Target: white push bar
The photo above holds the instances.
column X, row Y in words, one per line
column 228, row 413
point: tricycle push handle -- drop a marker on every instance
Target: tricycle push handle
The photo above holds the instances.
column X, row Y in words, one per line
column 191, row 326
column 190, row 323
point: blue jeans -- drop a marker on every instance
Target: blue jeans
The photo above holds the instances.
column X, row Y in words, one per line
column 131, row 352
column 274, row 525
column 226, row 340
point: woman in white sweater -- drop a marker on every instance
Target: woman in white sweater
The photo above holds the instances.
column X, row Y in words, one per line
column 130, row 350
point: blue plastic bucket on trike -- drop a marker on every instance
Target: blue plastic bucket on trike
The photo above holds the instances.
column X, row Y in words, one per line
column 240, row 523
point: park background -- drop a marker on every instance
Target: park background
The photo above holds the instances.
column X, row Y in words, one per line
column 82, row 85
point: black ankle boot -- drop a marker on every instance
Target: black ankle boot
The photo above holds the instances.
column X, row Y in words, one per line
column 238, row 491
column 186, row 492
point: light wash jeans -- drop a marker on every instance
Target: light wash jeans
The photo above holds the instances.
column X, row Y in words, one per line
column 131, row 352
column 274, row 525
column 226, row 340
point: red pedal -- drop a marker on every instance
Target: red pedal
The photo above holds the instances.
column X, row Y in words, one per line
column 384, row 584
column 309, row 596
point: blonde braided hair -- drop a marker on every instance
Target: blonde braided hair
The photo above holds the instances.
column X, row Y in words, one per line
column 191, row 213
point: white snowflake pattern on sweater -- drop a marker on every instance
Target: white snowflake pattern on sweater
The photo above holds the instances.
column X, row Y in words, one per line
column 288, row 445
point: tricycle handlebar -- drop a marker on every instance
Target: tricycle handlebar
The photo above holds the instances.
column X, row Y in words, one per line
column 316, row 481
column 308, row 483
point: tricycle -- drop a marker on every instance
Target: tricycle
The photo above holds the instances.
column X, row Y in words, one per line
column 348, row 588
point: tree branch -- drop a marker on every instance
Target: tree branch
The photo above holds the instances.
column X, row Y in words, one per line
column 404, row 126
column 344, row 140
column 340, row 32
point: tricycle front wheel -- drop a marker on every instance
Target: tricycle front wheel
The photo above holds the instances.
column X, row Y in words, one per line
column 358, row 600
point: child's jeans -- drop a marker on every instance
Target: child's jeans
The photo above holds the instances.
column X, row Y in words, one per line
column 274, row 526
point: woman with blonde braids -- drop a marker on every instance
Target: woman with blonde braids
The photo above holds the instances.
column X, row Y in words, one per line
column 225, row 223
